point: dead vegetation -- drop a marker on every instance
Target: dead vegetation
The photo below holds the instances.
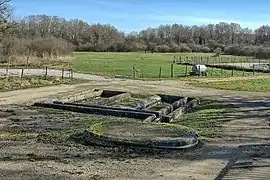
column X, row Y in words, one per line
column 15, row 83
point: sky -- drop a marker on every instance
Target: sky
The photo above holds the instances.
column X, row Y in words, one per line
column 135, row 15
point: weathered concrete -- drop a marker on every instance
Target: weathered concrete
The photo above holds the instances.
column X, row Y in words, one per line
column 142, row 104
column 99, row 111
column 191, row 103
column 109, row 107
column 112, row 99
column 81, row 96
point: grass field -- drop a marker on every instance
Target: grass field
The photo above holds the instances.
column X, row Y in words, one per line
column 121, row 64
column 253, row 85
column 32, row 82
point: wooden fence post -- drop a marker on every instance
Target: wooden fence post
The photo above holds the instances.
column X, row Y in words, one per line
column 243, row 71
column 171, row 70
column 46, row 72
column 186, row 70
column 221, row 71
column 159, row 75
column 269, row 67
column 134, row 73
column 63, row 71
column 22, row 73
column 253, row 69
column 71, row 73
column 232, row 70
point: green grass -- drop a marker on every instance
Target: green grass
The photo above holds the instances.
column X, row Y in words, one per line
column 76, row 125
column 15, row 83
column 207, row 119
column 121, row 65
column 253, row 85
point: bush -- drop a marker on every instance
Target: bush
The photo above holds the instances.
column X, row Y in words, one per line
column 139, row 47
column 195, row 47
column 205, row 49
column 163, row 48
column 233, row 49
column 263, row 53
column 248, row 51
column 185, row 48
column 217, row 51
column 175, row 48
column 214, row 45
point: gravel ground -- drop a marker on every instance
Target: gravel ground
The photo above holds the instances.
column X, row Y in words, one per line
column 27, row 159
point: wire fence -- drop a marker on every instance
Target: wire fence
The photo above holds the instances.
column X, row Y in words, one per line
column 181, row 66
column 45, row 72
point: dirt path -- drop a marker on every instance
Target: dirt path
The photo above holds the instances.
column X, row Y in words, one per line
column 169, row 86
column 216, row 159
column 50, row 72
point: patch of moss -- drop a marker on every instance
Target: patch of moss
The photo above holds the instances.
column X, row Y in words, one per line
column 98, row 128
column 176, row 126
column 20, row 136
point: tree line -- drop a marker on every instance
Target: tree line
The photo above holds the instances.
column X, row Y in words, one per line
column 45, row 36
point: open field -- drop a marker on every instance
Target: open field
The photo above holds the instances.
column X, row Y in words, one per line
column 121, row 64
column 252, row 85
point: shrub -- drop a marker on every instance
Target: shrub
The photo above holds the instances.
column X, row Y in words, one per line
column 163, row 48
column 175, row 48
column 205, row 49
column 185, row 48
column 233, row 49
column 217, row 51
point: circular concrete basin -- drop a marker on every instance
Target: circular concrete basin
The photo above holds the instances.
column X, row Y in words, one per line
column 136, row 133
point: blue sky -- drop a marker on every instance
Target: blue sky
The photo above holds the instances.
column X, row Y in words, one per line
column 129, row 15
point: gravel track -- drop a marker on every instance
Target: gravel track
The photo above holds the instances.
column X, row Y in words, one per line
column 51, row 72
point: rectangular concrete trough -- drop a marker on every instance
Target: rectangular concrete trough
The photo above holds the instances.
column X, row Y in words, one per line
column 171, row 107
column 109, row 107
column 97, row 110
